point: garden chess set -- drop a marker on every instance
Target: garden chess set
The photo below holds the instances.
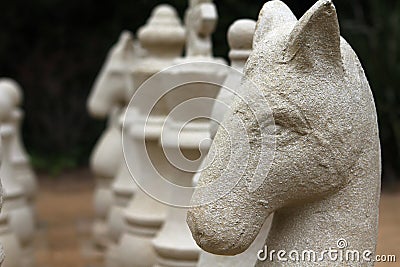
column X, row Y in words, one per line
column 271, row 159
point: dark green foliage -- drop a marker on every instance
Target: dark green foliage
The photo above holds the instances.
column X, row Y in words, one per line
column 55, row 49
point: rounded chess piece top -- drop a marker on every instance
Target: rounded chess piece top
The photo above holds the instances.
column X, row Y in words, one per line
column 240, row 34
column 163, row 34
column 12, row 88
column 10, row 97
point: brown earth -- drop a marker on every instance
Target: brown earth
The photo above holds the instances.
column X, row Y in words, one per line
column 65, row 211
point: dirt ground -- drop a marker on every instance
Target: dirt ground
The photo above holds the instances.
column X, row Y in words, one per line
column 64, row 208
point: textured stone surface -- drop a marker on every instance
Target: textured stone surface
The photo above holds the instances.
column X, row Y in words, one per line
column 240, row 39
column 324, row 180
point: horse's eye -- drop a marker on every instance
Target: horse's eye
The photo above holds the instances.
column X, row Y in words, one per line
column 279, row 129
column 291, row 119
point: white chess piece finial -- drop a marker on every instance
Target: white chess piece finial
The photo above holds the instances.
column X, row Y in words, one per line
column 163, row 38
column 200, row 21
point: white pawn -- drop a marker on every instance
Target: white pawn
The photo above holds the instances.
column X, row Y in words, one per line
column 20, row 213
column 19, row 158
column 240, row 39
column 8, row 239
column 163, row 38
column 15, row 207
column 107, row 98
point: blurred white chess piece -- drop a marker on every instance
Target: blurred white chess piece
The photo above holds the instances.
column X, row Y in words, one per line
column 8, row 238
column 200, row 21
column 16, row 207
column 123, row 187
column 107, row 98
column 19, row 158
column 185, row 139
column 163, row 39
column 18, row 184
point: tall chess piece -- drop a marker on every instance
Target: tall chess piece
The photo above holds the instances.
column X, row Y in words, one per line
column 123, row 186
column 107, row 98
column 104, row 164
column 326, row 165
column 16, row 220
column 240, row 39
column 163, row 39
column 9, row 245
column 16, row 207
column 185, row 137
column 19, row 158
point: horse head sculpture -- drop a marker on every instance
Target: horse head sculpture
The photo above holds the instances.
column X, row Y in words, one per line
column 114, row 84
column 323, row 182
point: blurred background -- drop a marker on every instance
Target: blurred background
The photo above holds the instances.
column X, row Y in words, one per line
column 55, row 49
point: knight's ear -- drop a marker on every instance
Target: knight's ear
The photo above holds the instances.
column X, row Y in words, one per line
column 316, row 37
column 125, row 42
column 273, row 14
